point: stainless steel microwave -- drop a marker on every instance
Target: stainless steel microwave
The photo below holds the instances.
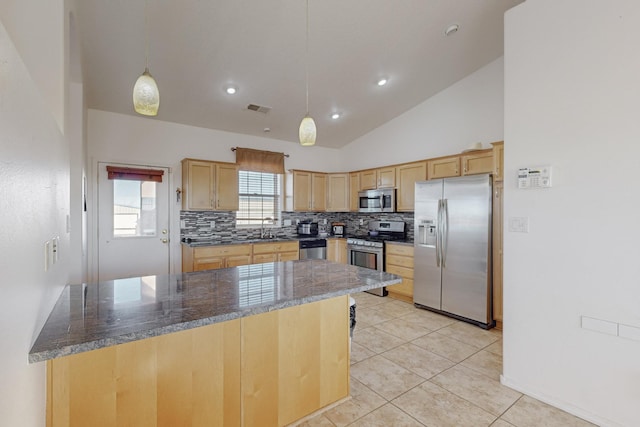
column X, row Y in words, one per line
column 380, row 200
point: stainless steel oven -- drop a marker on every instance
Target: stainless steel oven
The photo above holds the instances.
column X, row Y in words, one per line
column 368, row 251
column 367, row 254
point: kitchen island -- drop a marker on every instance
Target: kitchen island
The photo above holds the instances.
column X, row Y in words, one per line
column 263, row 344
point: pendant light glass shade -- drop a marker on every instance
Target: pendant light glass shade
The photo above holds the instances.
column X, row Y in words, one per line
column 146, row 97
column 307, row 131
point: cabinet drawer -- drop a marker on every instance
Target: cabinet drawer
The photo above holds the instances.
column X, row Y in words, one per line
column 223, row 250
column 288, row 256
column 400, row 261
column 265, row 248
column 234, row 261
column 405, row 272
column 402, row 250
column 262, row 258
column 201, row 264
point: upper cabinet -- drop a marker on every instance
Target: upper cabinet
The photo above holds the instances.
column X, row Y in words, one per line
column 408, row 175
column 378, row 178
column 338, row 192
column 368, row 180
column 443, row 167
column 477, row 162
column 498, row 160
column 209, row 185
column 354, row 187
column 386, row 177
column 306, row 191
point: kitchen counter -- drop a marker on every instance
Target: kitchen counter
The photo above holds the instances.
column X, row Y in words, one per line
column 94, row 316
column 211, row 242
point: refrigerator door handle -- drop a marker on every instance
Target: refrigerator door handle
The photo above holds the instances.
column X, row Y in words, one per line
column 438, row 226
column 445, row 232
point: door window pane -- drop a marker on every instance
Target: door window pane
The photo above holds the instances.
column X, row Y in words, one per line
column 134, row 208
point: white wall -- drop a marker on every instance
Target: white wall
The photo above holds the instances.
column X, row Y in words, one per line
column 128, row 139
column 467, row 112
column 37, row 30
column 572, row 87
column 34, row 198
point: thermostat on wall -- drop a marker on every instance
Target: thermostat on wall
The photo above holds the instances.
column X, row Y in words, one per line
column 534, row 177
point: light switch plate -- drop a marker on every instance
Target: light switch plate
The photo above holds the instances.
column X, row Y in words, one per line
column 286, row 222
column 519, row 224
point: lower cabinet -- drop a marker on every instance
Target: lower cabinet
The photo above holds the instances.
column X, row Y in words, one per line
column 337, row 250
column 269, row 369
column 276, row 251
column 399, row 260
column 214, row 257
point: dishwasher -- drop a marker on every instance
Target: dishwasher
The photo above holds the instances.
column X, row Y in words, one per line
column 313, row 249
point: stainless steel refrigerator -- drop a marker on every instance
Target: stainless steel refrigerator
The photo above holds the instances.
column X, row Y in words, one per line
column 452, row 265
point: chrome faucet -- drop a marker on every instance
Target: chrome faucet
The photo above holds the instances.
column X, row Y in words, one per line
column 266, row 234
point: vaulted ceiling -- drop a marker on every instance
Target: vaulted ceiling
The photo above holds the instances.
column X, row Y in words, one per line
column 197, row 48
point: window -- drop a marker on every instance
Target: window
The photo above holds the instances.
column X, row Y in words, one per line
column 259, row 197
column 134, row 208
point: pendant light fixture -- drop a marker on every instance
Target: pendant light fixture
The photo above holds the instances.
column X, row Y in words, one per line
column 307, row 132
column 146, row 97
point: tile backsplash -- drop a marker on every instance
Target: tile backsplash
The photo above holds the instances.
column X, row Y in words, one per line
column 198, row 224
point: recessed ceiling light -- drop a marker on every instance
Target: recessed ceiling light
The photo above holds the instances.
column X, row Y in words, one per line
column 335, row 116
column 382, row 82
column 231, row 90
column 451, row 29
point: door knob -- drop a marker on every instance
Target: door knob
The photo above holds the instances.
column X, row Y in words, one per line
column 164, row 231
column 164, row 240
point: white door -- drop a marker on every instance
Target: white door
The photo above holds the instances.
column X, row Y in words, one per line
column 133, row 225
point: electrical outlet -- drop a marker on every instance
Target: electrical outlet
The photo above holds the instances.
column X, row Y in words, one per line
column 213, row 224
column 55, row 244
column 286, row 222
column 519, row 224
column 183, row 223
column 361, row 221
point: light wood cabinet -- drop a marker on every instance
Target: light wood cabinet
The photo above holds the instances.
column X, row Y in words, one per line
column 209, row 185
column 498, row 160
column 497, row 252
column 443, row 167
column 408, row 175
column 269, row 369
column 386, row 177
column 338, row 192
column 399, row 260
column 354, row 188
column 378, row 178
column 275, row 251
column 337, row 250
column 477, row 162
column 368, row 180
column 214, row 257
column 306, row 191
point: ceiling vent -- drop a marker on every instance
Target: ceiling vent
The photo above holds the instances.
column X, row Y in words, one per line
column 258, row 108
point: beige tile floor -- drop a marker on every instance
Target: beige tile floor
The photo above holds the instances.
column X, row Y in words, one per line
column 411, row 367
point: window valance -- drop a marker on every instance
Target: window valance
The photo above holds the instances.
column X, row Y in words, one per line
column 134, row 174
column 249, row 159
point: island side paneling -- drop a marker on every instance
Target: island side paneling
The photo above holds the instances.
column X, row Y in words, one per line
column 272, row 368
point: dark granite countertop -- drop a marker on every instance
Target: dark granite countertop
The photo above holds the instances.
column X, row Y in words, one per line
column 88, row 317
column 194, row 243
